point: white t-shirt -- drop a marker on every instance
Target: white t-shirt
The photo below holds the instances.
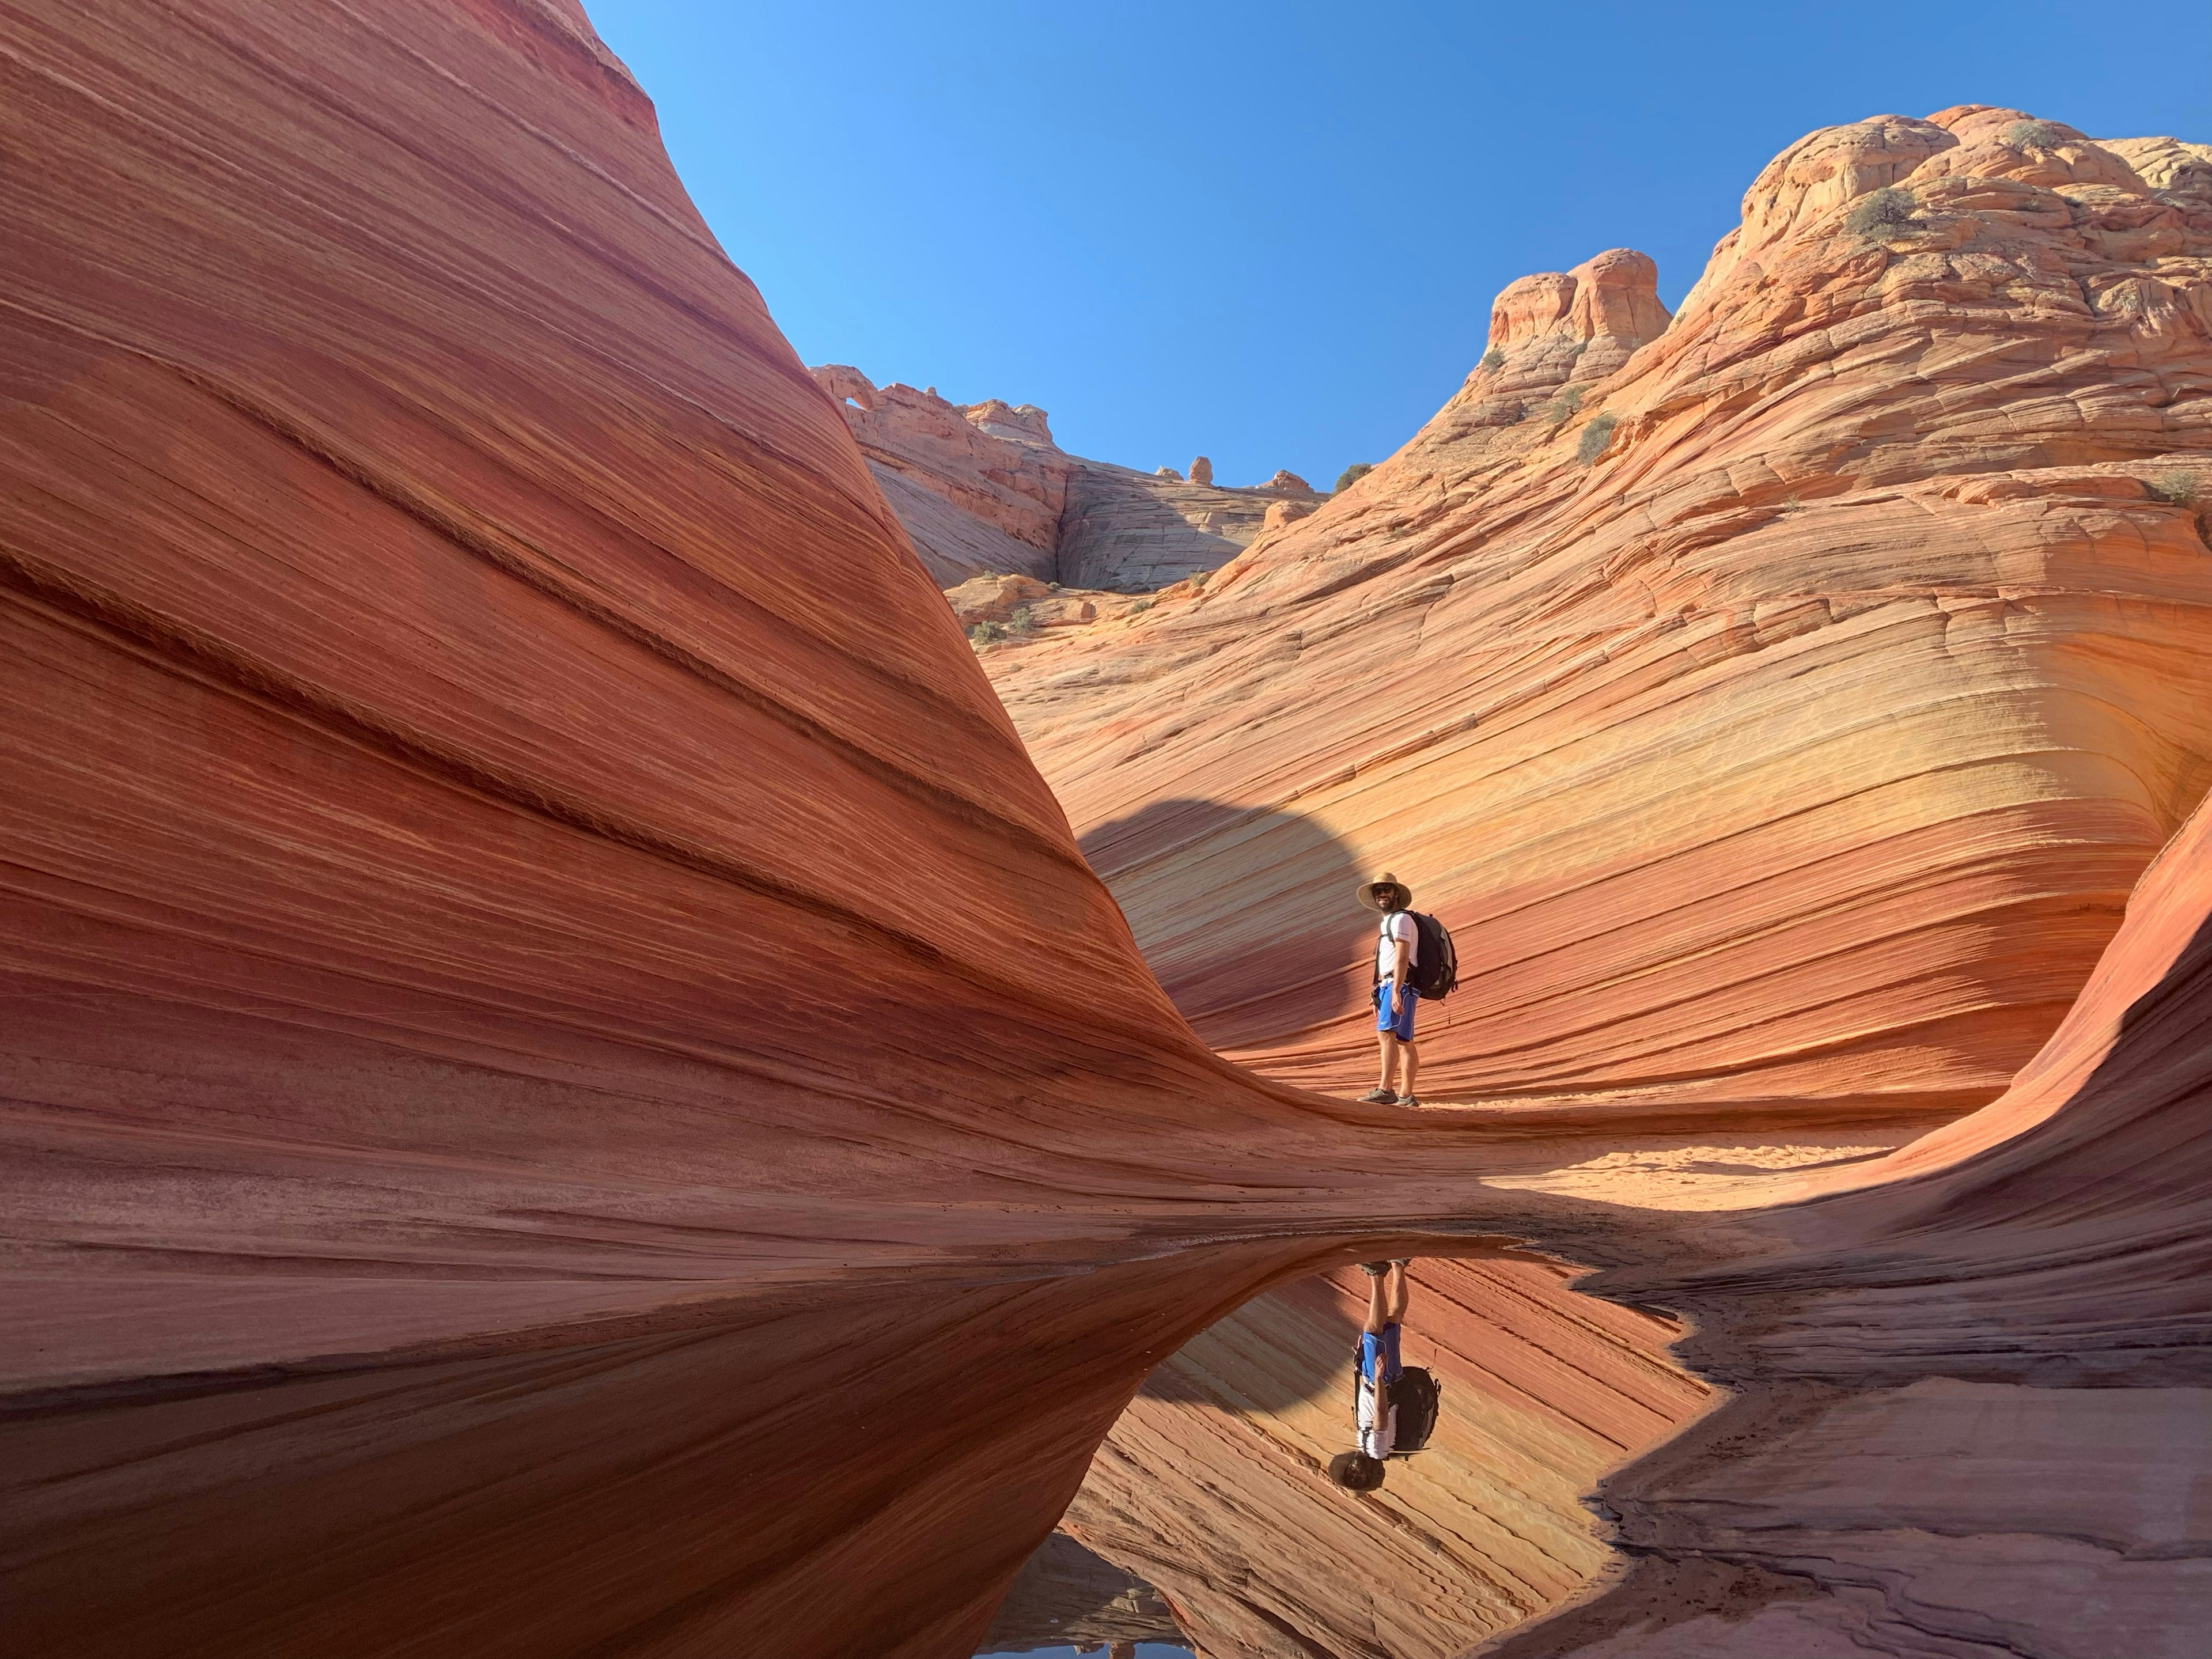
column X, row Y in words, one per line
column 1398, row 924
column 1375, row 1441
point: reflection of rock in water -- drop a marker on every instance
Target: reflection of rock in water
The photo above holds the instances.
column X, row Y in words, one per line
column 1211, row 1485
column 1065, row 1595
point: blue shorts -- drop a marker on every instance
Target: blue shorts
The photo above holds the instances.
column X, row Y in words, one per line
column 1398, row 1021
column 1387, row 1343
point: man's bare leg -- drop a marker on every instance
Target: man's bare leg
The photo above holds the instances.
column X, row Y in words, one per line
column 1409, row 1063
column 1378, row 1300
column 1390, row 1293
column 1389, row 1047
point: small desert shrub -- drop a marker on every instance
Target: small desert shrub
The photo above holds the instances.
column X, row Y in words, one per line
column 1140, row 607
column 1492, row 358
column 2179, row 488
column 1352, row 474
column 2033, row 135
column 1021, row 622
column 1885, row 213
column 985, row 633
column 1596, row 436
column 1564, row 404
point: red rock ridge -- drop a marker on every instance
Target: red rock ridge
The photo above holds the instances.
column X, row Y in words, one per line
column 981, row 487
column 508, row 1023
column 2015, row 1302
column 1777, row 707
column 500, row 988
column 509, row 1026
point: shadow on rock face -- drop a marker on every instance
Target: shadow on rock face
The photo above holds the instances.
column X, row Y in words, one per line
column 1065, row 1596
column 1295, row 1343
column 1125, row 532
column 1248, row 917
column 1246, row 914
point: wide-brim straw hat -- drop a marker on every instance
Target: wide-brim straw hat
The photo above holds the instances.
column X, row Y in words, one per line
column 1386, row 880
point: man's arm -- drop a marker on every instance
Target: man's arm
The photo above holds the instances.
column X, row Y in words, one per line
column 1398, row 967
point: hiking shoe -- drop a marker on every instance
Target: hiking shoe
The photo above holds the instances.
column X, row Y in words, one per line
column 1381, row 1097
column 1407, row 1100
column 1401, row 1261
column 1375, row 1269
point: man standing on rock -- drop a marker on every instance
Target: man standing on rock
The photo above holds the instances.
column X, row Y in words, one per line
column 1374, row 1414
column 1397, row 949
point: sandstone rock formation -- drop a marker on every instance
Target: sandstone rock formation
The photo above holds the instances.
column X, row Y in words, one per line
column 1211, row 1487
column 1132, row 531
column 2175, row 171
column 502, row 983
column 1025, row 602
column 1067, row 1596
column 982, row 488
column 501, row 978
column 508, row 995
column 1970, row 1378
column 1777, row 702
column 1884, row 567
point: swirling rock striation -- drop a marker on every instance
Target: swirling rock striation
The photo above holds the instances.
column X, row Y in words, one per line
column 980, row 487
column 523, row 1122
column 525, row 1133
column 1971, row 1379
column 1212, row 1486
column 983, row 489
column 1776, row 701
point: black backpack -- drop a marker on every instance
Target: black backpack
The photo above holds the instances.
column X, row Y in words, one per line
column 1436, row 964
column 1416, row 1395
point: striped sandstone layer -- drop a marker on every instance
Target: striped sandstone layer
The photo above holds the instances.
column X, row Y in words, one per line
column 1971, row 1380
column 2034, row 668
column 1211, row 1487
column 1966, row 1387
column 982, row 488
column 505, row 998
column 508, row 1026
column 1778, row 701
column 506, row 1020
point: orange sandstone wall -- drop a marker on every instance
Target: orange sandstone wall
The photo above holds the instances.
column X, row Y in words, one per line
column 978, row 487
column 507, row 1028
column 1971, row 1379
column 1778, row 701
column 498, row 991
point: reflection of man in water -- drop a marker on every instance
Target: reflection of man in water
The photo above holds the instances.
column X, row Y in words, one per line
column 1374, row 1417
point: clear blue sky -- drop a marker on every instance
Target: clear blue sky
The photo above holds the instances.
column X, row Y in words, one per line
column 1271, row 234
